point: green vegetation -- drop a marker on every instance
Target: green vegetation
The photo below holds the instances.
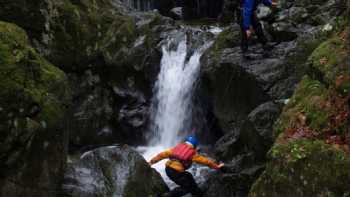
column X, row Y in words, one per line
column 28, row 80
column 304, row 168
column 311, row 154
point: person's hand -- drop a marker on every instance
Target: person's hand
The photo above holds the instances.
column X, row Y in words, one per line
column 221, row 165
column 274, row 3
column 248, row 33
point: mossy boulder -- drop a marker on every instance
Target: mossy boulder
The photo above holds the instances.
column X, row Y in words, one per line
column 306, row 102
column 105, row 48
column 112, row 171
column 73, row 34
column 34, row 96
column 330, row 59
column 311, row 154
column 304, row 168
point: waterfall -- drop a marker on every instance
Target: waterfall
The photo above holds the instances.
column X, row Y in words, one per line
column 172, row 99
column 172, row 102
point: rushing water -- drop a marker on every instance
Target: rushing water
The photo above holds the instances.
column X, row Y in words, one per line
column 172, row 100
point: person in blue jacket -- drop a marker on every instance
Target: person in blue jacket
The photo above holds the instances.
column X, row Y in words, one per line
column 250, row 22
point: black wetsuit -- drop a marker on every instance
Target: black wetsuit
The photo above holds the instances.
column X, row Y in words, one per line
column 255, row 23
column 186, row 183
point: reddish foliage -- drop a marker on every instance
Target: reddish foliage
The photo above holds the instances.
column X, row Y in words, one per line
column 343, row 36
column 340, row 79
column 300, row 133
column 337, row 131
column 335, row 139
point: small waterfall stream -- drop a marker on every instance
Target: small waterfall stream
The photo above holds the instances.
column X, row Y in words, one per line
column 172, row 100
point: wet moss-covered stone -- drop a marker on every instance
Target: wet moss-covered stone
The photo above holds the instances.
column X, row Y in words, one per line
column 73, row 34
column 304, row 168
column 34, row 95
column 330, row 59
column 27, row 78
column 306, row 101
column 112, row 171
column 305, row 160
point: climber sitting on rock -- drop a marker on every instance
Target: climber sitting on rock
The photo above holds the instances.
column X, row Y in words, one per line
column 250, row 23
column 180, row 159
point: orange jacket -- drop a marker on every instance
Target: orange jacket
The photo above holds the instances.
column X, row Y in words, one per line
column 178, row 166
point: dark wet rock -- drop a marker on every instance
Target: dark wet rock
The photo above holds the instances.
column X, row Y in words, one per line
column 176, row 13
column 34, row 97
column 243, row 152
column 231, row 184
column 164, row 6
column 112, row 171
column 237, row 85
column 255, row 133
column 103, row 46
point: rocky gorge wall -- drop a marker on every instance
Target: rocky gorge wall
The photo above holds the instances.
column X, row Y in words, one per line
column 78, row 74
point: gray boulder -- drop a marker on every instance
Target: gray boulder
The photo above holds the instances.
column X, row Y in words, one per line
column 243, row 151
column 110, row 172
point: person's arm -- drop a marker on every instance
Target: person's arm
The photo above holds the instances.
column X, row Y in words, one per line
column 160, row 156
column 205, row 161
column 248, row 6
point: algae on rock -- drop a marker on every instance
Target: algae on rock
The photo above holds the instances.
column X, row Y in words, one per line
column 34, row 96
column 311, row 154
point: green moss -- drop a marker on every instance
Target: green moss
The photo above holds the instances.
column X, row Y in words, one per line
column 306, row 100
column 80, row 31
column 328, row 58
column 304, row 168
column 26, row 79
column 308, row 167
column 344, row 88
column 228, row 38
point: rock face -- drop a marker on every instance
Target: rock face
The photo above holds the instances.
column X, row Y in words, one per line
column 311, row 154
column 244, row 153
column 112, row 171
column 111, row 56
column 34, row 96
column 238, row 87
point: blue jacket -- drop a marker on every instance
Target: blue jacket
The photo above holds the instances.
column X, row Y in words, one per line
column 249, row 6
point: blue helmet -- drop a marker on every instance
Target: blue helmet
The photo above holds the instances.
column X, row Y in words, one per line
column 192, row 140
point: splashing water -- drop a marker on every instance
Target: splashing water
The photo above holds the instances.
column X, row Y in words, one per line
column 172, row 106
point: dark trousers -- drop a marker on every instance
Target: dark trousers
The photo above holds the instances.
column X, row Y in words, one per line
column 186, row 183
column 258, row 31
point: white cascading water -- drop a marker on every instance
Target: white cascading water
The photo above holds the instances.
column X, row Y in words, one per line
column 172, row 99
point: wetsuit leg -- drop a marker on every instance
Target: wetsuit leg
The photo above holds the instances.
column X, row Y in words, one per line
column 244, row 39
column 258, row 29
column 186, row 183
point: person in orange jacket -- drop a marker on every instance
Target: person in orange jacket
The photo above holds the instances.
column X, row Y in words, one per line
column 181, row 158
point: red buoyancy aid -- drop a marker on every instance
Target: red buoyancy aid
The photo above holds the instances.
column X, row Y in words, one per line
column 183, row 153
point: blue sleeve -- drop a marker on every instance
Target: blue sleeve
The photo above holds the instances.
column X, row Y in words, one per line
column 267, row 2
column 248, row 7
